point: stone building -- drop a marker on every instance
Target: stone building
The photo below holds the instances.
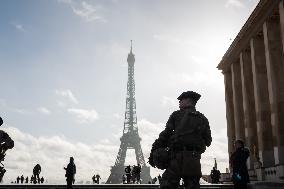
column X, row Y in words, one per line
column 253, row 69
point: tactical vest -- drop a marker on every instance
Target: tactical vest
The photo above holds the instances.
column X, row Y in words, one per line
column 188, row 131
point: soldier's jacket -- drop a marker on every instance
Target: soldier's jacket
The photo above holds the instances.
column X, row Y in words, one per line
column 185, row 128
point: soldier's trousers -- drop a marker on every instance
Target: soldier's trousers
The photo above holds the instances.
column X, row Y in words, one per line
column 185, row 165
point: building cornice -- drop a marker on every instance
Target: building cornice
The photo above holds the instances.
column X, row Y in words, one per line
column 252, row 26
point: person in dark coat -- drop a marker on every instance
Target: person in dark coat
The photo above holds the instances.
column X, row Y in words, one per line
column 22, row 179
column 36, row 172
column 128, row 174
column 238, row 161
column 98, row 177
column 215, row 175
column 70, row 173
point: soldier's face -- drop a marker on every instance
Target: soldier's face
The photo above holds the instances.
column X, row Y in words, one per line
column 184, row 103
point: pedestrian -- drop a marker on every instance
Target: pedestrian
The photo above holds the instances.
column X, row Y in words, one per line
column 27, row 180
column 238, row 161
column 180, row 145
column 70, row 173
column 18, row 180
column 32, row 179
column 123, row 179
column 22, row 179
column 98, row 177
column 94, row 179
column 215, row 175
column 42, row 180
column 36, row 172
column 128, row 174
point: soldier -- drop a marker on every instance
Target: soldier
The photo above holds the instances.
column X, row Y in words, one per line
column 179, row 147
column 70, row 173
column 36, row 172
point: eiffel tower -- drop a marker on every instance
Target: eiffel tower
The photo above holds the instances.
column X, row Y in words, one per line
column 130, row 138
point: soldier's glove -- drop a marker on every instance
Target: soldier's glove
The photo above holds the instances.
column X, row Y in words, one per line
column 150, row 160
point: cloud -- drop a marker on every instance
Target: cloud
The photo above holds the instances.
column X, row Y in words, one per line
column 118, row 116
column 171, row 39
column 65, row 1
column 19, row 27
column 21, row 111
column 53, row 153
column 83, row 115
column 197, row 78
column 168, row 101
column 44, row 110
column 234, row 3
column 67, row 93
column 2, row 102
column 86, row 11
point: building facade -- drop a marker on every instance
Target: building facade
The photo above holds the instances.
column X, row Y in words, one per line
column 253, row 69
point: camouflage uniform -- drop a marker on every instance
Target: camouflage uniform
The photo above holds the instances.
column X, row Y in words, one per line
column 187, row 134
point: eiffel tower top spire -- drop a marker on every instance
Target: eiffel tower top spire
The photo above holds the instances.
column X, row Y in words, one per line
column 131, row 57
column 131, row 46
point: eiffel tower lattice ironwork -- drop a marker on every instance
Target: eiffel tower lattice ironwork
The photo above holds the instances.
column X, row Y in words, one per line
column 130, row 138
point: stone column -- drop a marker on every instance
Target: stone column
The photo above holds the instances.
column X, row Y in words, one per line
column 229, row 111
column 238, row 100
column 281, row 12
column 248, row 105
column 275, row 73
column 262, row 108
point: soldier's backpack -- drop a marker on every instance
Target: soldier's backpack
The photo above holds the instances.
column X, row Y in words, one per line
column 161, row 158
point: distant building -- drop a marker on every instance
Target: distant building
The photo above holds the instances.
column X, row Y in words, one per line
column 253, row 69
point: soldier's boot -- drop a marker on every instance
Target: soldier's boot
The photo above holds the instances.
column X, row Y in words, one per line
column 192, row 183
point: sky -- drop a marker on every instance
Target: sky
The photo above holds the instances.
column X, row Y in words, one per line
column 63, row 77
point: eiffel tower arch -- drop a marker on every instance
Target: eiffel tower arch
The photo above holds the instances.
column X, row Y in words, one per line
column 130, row 138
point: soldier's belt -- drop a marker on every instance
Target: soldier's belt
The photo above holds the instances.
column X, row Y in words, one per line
column 186, row 148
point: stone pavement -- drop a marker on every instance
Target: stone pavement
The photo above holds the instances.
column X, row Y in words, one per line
column 106, row 186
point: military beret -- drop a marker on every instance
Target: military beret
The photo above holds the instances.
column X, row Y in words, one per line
column 189, row 94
